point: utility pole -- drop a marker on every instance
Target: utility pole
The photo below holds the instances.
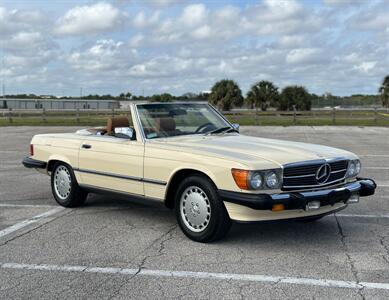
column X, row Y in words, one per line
column 3, row 88
column 3, row 77
column 80, row 92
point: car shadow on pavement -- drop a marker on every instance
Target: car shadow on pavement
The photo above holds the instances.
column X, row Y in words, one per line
column 106, row 201
column 283, row 232
column 324, row 231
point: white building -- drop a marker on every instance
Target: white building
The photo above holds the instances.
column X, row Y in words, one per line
column 58, row 104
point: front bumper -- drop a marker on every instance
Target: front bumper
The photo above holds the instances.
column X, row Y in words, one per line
column 299, row 200
column 29, row 162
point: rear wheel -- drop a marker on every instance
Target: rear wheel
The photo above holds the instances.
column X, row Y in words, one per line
column 64, row 186
column 199, row 211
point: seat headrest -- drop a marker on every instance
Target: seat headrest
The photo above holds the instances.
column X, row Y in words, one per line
column 113, row 123
column 165, row 124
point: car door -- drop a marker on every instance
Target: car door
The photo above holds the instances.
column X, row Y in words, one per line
column 112, row 163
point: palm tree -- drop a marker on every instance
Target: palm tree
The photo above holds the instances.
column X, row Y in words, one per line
column 263, row 94
column 297, row 96
column 226, row 94
column 384, row 91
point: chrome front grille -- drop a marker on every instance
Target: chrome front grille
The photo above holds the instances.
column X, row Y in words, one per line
column 304, row 174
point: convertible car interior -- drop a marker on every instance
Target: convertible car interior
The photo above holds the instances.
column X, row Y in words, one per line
column 165, row 126
column 112, row 123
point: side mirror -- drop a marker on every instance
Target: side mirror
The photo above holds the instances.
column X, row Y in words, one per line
column 236, row 126
column 125, row 133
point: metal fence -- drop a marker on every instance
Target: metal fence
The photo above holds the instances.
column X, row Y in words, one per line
column 335, row 116
column 66, row 114
column 244, row 117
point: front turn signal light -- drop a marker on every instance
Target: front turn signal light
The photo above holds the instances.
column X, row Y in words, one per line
column 278, row 207
column 240, row 177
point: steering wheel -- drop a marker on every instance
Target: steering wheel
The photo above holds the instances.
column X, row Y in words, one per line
column 202, row 128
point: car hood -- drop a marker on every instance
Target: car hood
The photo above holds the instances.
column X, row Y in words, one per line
column 248, row 149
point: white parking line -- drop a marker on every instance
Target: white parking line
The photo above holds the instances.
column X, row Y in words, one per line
column 363, row 216
column 376, row 168
column 30, row 221
column 202, row 275
column 26, row 205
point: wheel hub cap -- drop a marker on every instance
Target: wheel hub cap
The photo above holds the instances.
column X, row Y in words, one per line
column 195, row 209
column 62, row 182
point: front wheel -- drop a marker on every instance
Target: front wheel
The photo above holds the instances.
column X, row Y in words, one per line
column 65, row 188
column 200, row 213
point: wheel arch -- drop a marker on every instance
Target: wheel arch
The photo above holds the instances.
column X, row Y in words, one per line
column 176, row 179
column 57, row 158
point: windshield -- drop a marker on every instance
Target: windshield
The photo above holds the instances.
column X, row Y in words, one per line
column 175, row 119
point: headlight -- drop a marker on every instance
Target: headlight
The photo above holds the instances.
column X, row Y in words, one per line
column 272, row 180
column 357, row 166
column 354, row 167
column 257, row 180
column 351, row 169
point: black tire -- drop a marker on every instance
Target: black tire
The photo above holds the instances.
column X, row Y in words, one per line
column 218, row 221
column 310, row 219
column 75, row 195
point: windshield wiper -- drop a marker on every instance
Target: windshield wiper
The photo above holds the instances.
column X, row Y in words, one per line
column 222, row 129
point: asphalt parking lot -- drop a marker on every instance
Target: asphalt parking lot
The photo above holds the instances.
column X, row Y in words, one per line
column 114, row 248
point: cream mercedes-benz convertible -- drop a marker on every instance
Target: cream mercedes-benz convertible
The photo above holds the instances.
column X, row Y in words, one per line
column 190, row 157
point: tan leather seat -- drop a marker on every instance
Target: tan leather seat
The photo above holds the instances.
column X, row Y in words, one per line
column 165, row 125
column 116, row 122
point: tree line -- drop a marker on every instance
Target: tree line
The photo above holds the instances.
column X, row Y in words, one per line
column 262, row 95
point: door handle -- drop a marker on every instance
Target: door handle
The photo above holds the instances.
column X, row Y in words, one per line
column 86, row 146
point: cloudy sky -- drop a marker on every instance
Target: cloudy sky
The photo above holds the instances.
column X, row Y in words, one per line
column 57, row 47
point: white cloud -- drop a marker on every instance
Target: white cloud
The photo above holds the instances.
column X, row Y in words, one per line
column 227, row 14
column 366, row 66
column 23, row 39
column 374, row 18
column 193, row 15
column 341, row 2
column 14, row 20
column 137, row 40
column 105, row 55
column 292, row 41
column 26, row 48
column 305, row 55
column 282, row 17
column 143, row 21
column 37, row 60
column 86, row 19
column 195, row 22
column 164, row 3
column 279, row 10
column 186, row 47
column 202, row 32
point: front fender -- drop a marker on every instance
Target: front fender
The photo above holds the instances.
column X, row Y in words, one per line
column 221, row 176
column 194, row 168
